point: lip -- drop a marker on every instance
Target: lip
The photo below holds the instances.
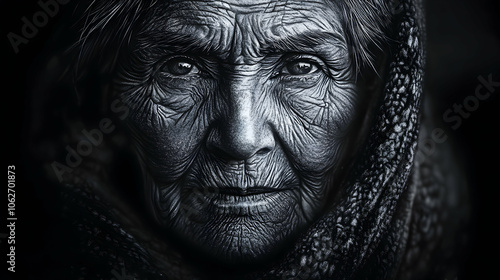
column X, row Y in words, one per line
column 235, row 191
column 234, row 197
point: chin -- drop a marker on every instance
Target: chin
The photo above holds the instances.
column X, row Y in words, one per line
column 241, row 241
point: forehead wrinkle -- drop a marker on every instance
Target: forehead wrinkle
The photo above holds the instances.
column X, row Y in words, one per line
column 246, row 47
column 233, row 7
column 209, row 32
column 233, row 38
column 242, row 33
column 264, row 29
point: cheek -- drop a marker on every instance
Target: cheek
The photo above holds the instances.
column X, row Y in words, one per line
column 168, row 124
column 314, row 120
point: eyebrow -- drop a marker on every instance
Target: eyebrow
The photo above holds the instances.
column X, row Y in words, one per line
column 175, row 42
column 316, row 42
column 308, row 41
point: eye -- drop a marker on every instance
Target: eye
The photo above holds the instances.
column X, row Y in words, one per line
column 300, row 67
column 179, row 66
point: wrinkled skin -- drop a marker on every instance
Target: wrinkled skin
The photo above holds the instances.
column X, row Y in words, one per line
column 240, row 116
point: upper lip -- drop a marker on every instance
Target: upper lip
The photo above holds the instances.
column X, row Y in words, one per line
column 246, row 191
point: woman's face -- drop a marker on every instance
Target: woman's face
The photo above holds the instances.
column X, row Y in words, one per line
column 239, row 114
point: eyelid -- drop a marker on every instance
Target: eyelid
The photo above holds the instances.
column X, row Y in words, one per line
column 208, row 67
column 293, row 57
column 160, row 63
column 322, row 66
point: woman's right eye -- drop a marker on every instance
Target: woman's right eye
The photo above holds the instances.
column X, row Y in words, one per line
column 179, row 66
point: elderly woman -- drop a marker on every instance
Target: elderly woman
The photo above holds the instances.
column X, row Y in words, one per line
column 252, row 139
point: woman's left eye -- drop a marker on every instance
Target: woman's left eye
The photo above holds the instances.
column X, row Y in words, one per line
column 300, row 67
column 179, row 66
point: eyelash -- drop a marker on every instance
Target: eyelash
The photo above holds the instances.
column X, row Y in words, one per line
column 204, row 70
column 313, row 60
column 163, row 63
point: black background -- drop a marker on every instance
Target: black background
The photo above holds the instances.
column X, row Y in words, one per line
column 463, row 44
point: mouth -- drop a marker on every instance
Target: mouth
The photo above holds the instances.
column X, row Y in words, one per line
column 235, row 191
column 235, row 198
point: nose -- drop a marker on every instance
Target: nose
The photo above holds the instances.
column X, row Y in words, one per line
column 242, row 131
